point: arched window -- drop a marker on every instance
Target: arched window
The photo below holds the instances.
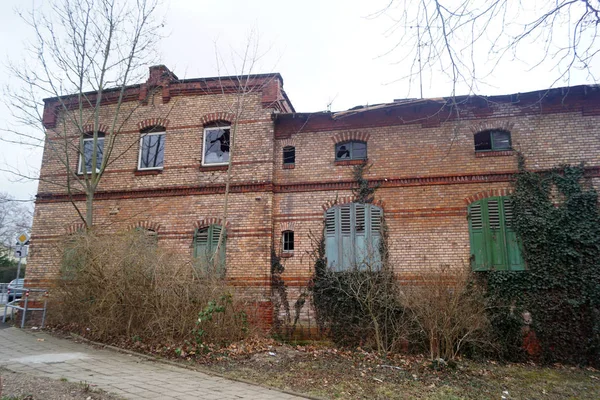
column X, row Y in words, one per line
column 492, row 140
column 353, row 236
column 354, row 150
column 494, row 243
column 216, row 143
column 152, row 148
column 205, row 249
column 87, row 153
column 289, row 155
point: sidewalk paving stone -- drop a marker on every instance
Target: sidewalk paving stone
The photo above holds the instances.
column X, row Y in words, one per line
column 132, row 377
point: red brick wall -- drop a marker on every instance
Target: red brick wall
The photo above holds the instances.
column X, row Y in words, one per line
column 427, row 169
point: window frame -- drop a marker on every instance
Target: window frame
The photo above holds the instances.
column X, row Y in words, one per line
column 290, row 240
column 207, row 128
column 143, row 135
column 81, row 158
column 492, row 147
column 492, row 238
column 351, row 150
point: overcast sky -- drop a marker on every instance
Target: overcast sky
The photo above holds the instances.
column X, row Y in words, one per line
column 328, row 51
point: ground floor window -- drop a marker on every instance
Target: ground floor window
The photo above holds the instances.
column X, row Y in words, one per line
column 205, row 249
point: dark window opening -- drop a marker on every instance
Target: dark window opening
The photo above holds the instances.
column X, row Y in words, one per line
column 351, row 151
column 216, row 145
column 288, row 241
column 492, row 140
column 289, row 155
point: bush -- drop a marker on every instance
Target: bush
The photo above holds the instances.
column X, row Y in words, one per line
column 124, row 286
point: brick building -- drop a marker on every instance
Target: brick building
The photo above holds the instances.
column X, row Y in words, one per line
column 434, row 165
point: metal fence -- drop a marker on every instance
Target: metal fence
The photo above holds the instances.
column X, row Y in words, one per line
column 20, row 302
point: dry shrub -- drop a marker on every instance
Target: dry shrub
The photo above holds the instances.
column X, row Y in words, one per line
column 125, row 286
column 448, row 310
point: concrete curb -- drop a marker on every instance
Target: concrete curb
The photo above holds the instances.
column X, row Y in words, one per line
column 181, row 365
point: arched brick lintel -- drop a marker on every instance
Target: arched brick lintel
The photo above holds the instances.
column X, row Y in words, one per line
column 87, row 128
column 203, row 223
column 149, row 225
column 350, row 136
column 151, row 122
column 217, row 116
column 74, row 228
column 348, row 199
column 287, row 226
column 488, row 193
column 493, row 125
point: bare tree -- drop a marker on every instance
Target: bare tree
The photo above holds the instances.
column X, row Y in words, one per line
column 84, row 53
column 467, row 39
column 15, row 218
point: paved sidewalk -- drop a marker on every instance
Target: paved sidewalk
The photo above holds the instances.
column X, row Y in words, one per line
column 128, row 376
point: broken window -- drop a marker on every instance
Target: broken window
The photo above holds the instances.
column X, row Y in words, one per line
column 492, row 140
column 351, row 151
column 288, row 241
column 88, row 153
column 152, row 149
column 289, row 155
column 216, row 145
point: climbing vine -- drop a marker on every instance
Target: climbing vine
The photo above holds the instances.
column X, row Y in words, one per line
column 556, row 217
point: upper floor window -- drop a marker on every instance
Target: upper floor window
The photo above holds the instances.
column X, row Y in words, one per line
column 353, row 236
column 216, row 144
column 88, row 153
column 354, row 150
column 289, row 155
column 152, row 149
column 494, row 243
column 492, row 140
column 206, row 253
column 287, row 241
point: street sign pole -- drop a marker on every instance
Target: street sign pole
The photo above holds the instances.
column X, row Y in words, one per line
column 22, row 241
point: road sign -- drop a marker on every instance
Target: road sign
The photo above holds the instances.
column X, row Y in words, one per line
column 21, row 251
column 22, row 239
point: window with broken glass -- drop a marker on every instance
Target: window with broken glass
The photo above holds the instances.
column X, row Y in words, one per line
column 288, row 241
column 351, row 151
column 152, row 149
column 492, row 140
column 88, row 153
column 216, row 145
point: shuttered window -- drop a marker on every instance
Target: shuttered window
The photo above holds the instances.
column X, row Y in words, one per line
column 494, row 243
column 205, row 245
column 353, row 237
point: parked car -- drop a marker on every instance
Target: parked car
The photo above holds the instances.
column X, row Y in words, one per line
column 16, row 289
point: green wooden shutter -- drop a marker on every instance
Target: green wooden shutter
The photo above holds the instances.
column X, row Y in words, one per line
column 497, row 243
column 201, row 248
column 513, row 245
column 361, row 250
column 477, row 224
column 215, row 232
column 331, row 238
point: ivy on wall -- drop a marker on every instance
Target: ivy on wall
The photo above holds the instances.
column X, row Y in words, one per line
column 557, row 219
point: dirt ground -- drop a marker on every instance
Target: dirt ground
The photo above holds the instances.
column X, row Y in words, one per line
column 17, row 386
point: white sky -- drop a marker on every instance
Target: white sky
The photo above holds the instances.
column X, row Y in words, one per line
column 326, row 50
